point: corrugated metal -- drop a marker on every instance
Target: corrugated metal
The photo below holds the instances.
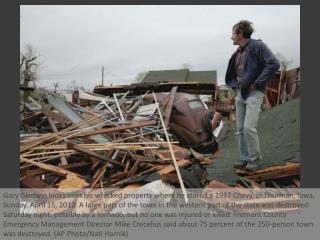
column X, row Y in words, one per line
column 64, row 108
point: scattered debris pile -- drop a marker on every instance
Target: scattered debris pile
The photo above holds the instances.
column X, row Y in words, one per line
column 120, row 141
column 127, row 139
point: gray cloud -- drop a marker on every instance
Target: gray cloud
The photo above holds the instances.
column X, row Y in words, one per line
column 76, row 41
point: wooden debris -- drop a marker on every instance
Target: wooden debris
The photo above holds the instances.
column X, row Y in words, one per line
column 168, row 108
column 40, row 171
column 72, row 181
column 33, row 182
column 115, row 129
column 109, row 147
column 289, row 169
column 171, row 151
column 54, row 129
column 296, row 182
column 92, row 154
column 54, row 115
column 32, row 118
column 48, row 167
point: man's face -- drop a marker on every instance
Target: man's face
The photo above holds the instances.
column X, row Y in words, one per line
column 236, row 37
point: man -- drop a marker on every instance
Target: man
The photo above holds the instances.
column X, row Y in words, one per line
column 249, row 69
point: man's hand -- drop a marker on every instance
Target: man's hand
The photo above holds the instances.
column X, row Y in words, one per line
column 217, row 116
column 215, row 120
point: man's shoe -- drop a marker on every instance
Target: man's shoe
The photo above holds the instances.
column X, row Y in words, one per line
column 252, row 166
column 240, row 164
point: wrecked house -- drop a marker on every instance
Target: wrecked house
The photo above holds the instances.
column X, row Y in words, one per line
column 155, row 136
column 84, row 98
column 183, row 75
column 151, row 142
column 192, row 82
column 283, row 86
column 121, row 143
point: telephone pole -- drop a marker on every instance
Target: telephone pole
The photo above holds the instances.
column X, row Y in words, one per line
column 102, row 74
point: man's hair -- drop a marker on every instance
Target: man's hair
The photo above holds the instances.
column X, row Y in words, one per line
column 245, row 27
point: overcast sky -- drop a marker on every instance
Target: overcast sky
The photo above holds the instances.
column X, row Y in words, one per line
column 76, row 41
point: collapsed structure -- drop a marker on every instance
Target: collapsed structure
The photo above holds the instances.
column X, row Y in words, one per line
column 116, row 143
column 121, row 140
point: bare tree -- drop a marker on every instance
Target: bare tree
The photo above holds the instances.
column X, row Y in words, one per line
column 29, row 64
column 284, row 62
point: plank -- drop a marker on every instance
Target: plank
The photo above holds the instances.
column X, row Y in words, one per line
column 115, row 129
column 37, row 172
column 171, row 168
column 134, row 169
column 54, row 135
column 54, row 129
column 168, row 109
column 32, row 182
column 31, row 119
column 49, row 168
column 296, row 182
column 171, row 151
column 287, row 170
column 92, row 154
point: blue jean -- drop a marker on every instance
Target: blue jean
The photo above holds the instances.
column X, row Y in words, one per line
column 247, row 115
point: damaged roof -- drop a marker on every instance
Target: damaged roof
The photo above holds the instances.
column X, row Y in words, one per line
column 279, row 134
column 182, row 75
